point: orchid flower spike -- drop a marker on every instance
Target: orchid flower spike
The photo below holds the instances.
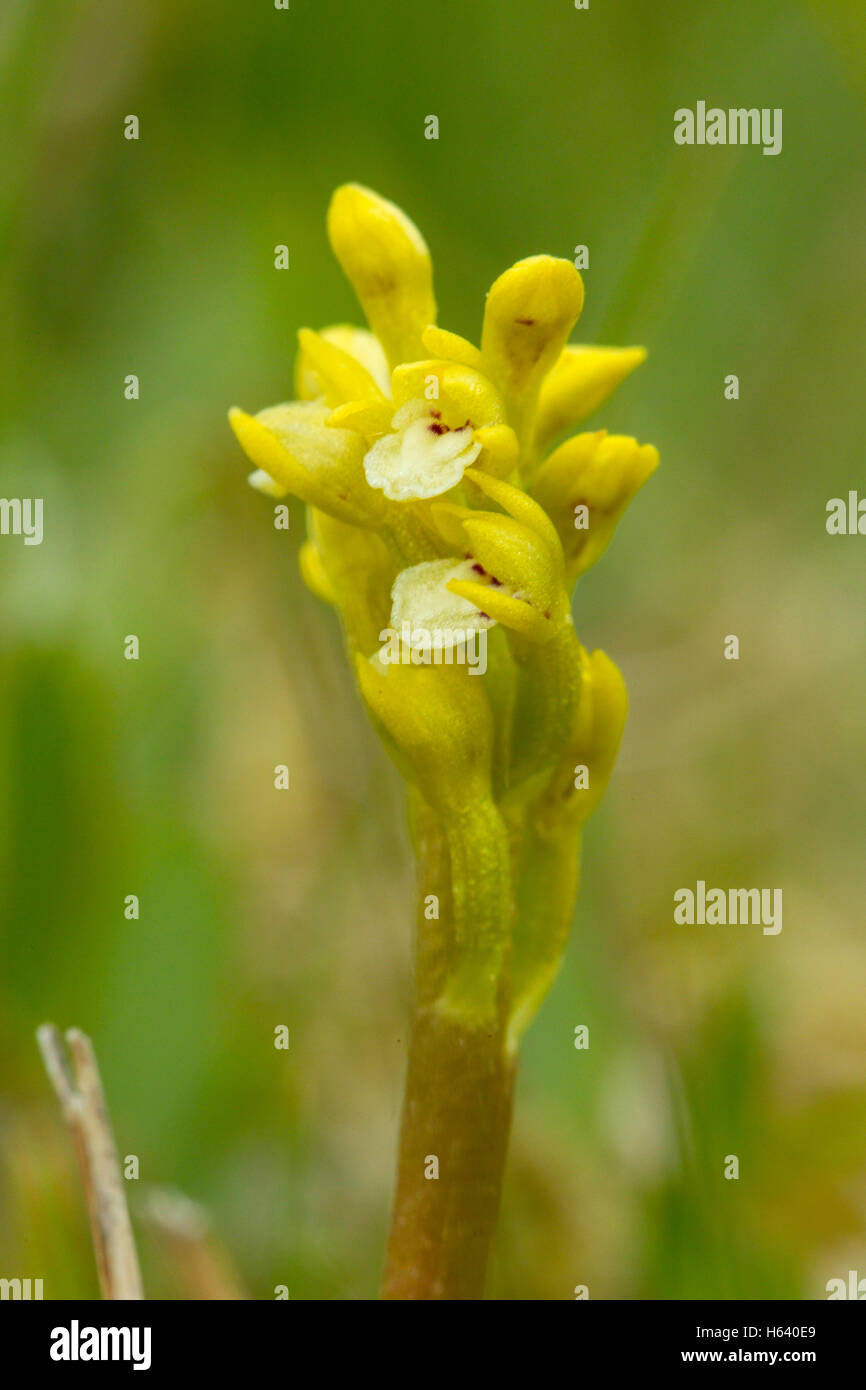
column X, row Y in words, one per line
column 449, row 513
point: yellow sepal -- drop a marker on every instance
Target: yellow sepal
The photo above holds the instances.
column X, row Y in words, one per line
column 439, row 721
column 294, row 445
column 359, row 343
column 386, row 259
column 585, row 486
column 514, row 613
column 529, row 314
column 440, row 343
column 580, row 381
column 520, row 506
column 370, row 418
column 342, row 376
column 519, row 551
column 517, row 557
column 500, row 450
column 359, row 570
column 461, row 392
column 313, row 573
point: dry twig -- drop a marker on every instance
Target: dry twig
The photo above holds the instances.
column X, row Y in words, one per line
column 79, row 1090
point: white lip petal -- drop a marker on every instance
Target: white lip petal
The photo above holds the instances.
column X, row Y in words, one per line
column 263, row 482
column 409, row 412
column 423, row 458
column 427, row 612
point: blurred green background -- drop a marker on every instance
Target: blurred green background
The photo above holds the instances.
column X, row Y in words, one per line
column 156, row 778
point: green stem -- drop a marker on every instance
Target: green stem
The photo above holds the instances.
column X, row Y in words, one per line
column 480, row 930
column 457, row 1108
column 547, row 700
column 548, row 877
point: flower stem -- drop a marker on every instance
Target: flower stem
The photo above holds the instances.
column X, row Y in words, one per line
column 457, row 1110
column 456, row 1115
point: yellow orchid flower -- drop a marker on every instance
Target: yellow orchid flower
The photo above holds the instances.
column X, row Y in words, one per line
column 518, row 574
column 447, row 534
column 585, row 486
column 423, row 456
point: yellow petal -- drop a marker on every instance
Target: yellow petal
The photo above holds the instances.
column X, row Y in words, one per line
column 368, row 418
column 579, row 382
column 301, row 453
column 516, row 556
column 500, row 450
column 386, row 259
column 558, row 484
column 585, row 486
column 514, row 613
column 520, row 557
column 520, row 506
column 313, row 573
column 529, row 314
column 359, row 569
column 360, row 344
column 602, row 723
column 342, row 377
column 461, row 393
column 440, row 343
